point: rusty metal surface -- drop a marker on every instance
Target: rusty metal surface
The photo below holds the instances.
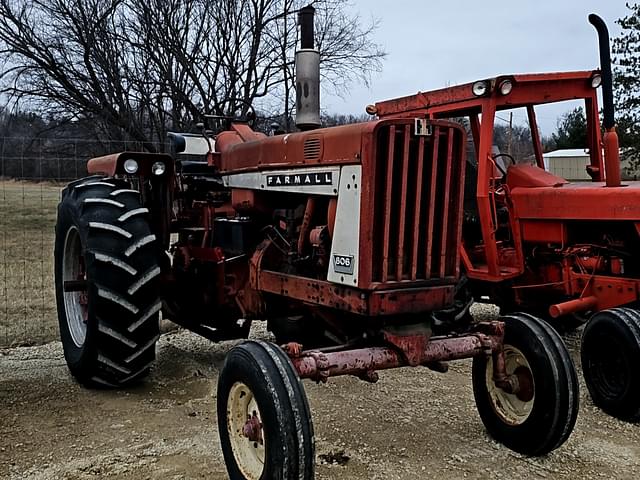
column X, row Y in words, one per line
column 363, row 362
column 432, row 199
column 400, row 254
column 452, row 220
column 397, row 248
column 350, row 299
column 252, row 428
column 388, row 185
column 410, row 346
column 306, row 223
column 338, row 145
column 410, row 205
column 312, row 291
column 415, row 241
column 528, row 88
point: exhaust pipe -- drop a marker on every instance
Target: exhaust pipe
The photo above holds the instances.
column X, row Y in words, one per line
column 307, row 74
column 611, row 147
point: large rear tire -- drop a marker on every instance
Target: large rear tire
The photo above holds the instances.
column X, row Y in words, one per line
column 264, row 420
column 541, row 415
column 610, row 355
column 106, row 268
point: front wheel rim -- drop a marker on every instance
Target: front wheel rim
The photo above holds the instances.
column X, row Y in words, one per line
column 511, row 408
column 75, row 299
column 246, row 432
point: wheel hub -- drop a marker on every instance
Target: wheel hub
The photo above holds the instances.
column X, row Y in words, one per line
column 253, row 428
column 245, row 427
column 524, row 391
column 513, row 406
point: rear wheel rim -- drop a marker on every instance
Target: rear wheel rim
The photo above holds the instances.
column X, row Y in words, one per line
column 246, row 433
column 512, row 408
column 75, row 301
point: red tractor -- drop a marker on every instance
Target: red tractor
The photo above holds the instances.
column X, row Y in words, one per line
column 363, row 247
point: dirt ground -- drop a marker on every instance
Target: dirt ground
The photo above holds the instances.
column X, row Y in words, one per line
column 412, row 424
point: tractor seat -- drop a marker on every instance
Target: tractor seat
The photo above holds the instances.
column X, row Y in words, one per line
column 529, row 176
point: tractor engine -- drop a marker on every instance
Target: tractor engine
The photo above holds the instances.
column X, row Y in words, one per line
column 298, row 206
column 568, row 266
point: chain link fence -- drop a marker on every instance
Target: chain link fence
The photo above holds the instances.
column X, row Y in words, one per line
column 32, row 174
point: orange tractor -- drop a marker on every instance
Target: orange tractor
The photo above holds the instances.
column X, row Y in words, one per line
column 362, row 246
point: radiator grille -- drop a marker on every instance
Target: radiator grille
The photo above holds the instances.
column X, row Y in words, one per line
column 417, row 204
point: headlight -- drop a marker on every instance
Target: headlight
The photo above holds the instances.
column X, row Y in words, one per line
column 505, row 87
column 596, row 80
column 130, row 166
column 158, row 168
column 480, row 88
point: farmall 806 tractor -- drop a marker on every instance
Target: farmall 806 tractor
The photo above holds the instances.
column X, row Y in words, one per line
column 362, row 249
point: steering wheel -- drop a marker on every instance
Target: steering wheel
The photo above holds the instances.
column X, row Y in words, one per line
column 249, row 117
column 223, row 122
column 500, row 167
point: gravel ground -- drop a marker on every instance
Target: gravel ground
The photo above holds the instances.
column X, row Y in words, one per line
column 412, row 424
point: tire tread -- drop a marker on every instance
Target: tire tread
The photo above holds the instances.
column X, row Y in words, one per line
column 125, row 333
column 295, row 456
column 563, row 375
column 628, row 320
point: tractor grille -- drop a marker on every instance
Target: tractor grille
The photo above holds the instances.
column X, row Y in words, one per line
column 417, row 203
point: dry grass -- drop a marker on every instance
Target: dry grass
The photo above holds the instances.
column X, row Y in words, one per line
column 27, row 302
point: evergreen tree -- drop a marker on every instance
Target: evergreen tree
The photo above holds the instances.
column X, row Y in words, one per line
column 626, row 81
column 572, row 130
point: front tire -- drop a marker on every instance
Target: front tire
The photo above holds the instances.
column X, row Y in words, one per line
column 264, row 420
column 541, row 415
column 610, row 354
column 106, row 270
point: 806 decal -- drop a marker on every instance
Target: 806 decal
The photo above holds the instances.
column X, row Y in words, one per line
column 343, row 264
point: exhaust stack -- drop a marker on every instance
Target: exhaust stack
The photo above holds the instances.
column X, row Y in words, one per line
column 611, row 147
column 307, row 74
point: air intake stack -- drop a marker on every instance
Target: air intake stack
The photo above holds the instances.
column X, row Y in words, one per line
column 610, row 141
column 307, row 74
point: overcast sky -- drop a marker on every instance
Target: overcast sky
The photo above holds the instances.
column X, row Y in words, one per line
column 435, row 43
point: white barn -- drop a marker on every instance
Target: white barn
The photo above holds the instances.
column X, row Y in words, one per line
column 568, row 163
column 571, row 163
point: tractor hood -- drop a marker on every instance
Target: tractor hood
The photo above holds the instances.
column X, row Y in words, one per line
column 241, row 149
column 578, row 201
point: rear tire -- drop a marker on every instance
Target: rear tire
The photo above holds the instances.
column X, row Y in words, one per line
column 610, row 354
column 106, row 270
column 259, row 384
column 540, row 417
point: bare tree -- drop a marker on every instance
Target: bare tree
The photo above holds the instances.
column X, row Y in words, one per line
column 136, row 68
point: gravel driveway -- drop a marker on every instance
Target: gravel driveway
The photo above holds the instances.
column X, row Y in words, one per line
column 412, row 424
